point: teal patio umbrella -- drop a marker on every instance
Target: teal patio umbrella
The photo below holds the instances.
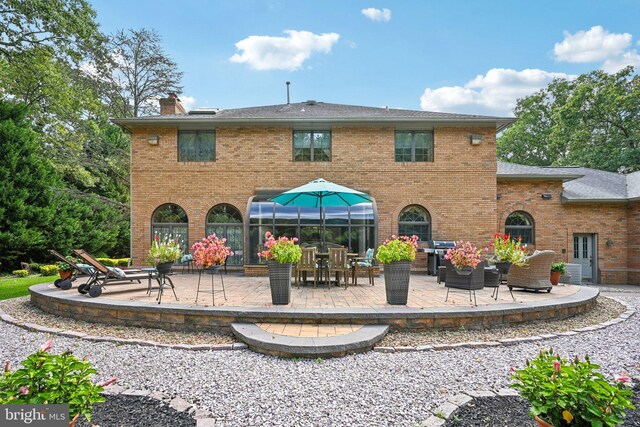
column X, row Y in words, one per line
column 319, row 194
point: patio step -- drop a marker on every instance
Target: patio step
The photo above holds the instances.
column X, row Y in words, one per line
column 296, row 340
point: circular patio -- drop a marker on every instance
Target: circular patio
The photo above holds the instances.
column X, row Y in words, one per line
column 249, row 301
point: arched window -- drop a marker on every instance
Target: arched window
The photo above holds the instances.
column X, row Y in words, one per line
column 415, row 220
column 171, row 220
column 520, row 224
column 226, row 221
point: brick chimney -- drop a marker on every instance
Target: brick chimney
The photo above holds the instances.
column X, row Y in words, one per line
column 171, row 105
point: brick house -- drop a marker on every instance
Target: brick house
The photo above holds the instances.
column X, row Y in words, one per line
column 430, row 174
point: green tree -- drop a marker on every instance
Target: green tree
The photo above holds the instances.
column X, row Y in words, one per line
column 592, row 121
column 25, row 183
column 66, row 26
column 138, row 74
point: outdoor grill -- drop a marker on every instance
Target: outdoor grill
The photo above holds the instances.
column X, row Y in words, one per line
column 435, row 254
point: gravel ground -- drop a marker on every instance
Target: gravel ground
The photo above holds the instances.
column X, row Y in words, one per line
column 605, row 309
column 242, row 388
column 514, row 412
column 135, row 411
column 21, row 308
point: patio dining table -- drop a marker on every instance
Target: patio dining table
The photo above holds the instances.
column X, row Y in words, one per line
column 323, row 259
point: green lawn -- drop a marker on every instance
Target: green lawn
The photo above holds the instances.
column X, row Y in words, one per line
column 18, row 287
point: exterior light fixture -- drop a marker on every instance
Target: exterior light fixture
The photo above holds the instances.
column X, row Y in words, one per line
column 476, row 139
column 609, row 243
column 498, row 196
column 153, row 139
column 547, row 195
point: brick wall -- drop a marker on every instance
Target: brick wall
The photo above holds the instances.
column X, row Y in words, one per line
column 556, row 222
column 633, row 226
column 458, row 188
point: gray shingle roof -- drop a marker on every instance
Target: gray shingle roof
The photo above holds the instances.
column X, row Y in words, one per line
column 516, row 171
column 581, row 184
column 315, row 111
column 633, row 185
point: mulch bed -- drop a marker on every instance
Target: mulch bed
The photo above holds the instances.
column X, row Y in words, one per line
column 514, row 412
column 135, row 411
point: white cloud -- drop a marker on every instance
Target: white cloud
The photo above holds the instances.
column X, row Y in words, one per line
column 596, row 44
column 374, row 14
column 188, row 102
column 616, row 64
column 282, row 53
column 495, row 92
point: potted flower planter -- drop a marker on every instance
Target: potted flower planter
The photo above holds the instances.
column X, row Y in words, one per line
column 465, row 277
column 555, row 277
column 164, row 267
column 396, row 281
column 280, row 282
column 503, row 267
column 64, row 275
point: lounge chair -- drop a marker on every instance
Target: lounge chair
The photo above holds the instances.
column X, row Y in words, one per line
column 106, row 275
column 78, row 270
column 535, row 275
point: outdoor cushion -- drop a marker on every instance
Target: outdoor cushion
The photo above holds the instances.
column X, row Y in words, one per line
column 369, row 256
column 186, row 258
column 86, row 268
column 120, row 274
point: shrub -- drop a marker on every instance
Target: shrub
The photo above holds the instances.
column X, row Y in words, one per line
column 35, row 267
column 52, row 379
column 20, row 273
column 123, row 262
column 107, row 262
column 559, row 267
column 571, row 393
column 48, row 270
column 401, row 248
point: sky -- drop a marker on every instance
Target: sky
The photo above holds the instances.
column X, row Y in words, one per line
column 474, row 57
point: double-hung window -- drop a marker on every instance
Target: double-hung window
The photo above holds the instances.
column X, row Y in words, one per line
column 196, row 146
column 414, row 146
column 311, row 146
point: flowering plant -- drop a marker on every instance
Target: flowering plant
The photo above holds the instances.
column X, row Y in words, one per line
column 53, row 379
column 505, row 249
column 211, row 251
column 571, row 393
column 160, row 252
column 465, row 254
column 283, row 250
column 401, row 248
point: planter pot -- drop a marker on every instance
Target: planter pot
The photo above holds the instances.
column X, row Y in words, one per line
column 164, row 267
column 466, row 278
column 64, row 275
column 396, row 282
column 503, row 267
column 280, row 282
column 555, row 277
column 543, row 423
column 212, row 269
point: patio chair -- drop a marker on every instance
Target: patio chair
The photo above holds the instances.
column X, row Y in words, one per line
column 535, row 275
column 308, row 264
column 493, row 280
column 107, row 275
column 187, row 262
column 365, row 263
column 338, row 263
column 78, row 270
